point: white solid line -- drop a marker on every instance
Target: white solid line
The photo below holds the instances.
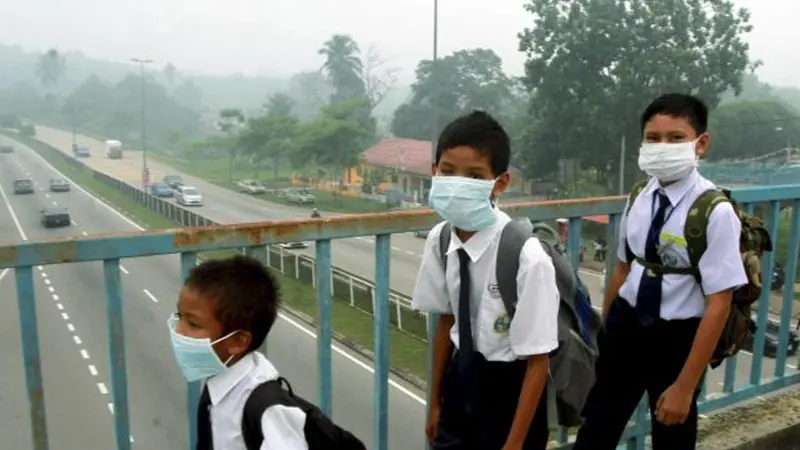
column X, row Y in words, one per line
column 13, row 214
column 335, row 348
column 77, row 339
column 71, row 327
column 152, row 297
column 3, row 274
column 92, row 370
column 102, row 388
column 84, row 354
column 123, row 269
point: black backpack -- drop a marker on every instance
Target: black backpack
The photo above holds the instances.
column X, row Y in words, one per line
column 320, row 432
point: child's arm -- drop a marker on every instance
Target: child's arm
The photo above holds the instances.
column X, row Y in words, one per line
column 531, row 393
column 533, row 332
column 282, row 427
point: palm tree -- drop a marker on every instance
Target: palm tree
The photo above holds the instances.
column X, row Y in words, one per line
column 279, row 104
column 51, row 67
column 343, row 66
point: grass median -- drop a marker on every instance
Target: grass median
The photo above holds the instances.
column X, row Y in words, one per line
column 407, row 353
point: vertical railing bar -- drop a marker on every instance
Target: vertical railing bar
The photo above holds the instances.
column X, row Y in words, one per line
column 324, row 329
column 116, row 353
column 767, row 265
column 432, row 323
column 259, row 253
column 188, row 262
column 380, row 420
column 612, row 236
column 26, row 302
column 788, row 290
column 574, row 241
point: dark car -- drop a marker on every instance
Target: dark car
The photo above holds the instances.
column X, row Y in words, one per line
column 422, row 234
column 80, row 151
column 59, row 185
column 23, row 186
column 161, row 190
column 173, row 181
column 55, row 217
column 778, row 277
column 771, row 338
column 6, row 149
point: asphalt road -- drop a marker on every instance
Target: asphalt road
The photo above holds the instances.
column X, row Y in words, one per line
column 150, row 287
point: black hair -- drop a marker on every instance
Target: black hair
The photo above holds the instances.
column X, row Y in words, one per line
column 245, row 294
column 482, row 132
column 683, row 106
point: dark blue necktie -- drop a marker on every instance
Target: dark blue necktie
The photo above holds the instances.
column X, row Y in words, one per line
column 648, row 299
column 466, row 348
column 204, row 433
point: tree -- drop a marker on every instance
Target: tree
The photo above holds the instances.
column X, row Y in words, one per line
column 279, row 104
column 457, row 83
column 170, row 72
column 593, row 66
column 310, row 91
column 378, row 79
column 51, row 67
column 749, row 129
column 344, row 67
column 230, row 119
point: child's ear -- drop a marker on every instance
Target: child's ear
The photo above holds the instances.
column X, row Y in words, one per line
column 240, row 342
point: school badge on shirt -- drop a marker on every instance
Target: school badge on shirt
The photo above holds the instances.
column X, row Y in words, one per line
column 502, row 323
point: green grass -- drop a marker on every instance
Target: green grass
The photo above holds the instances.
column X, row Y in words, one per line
column 215, row 170
column 406, row 352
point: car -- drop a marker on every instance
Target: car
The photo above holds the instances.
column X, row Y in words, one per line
column 161, row 190
column 55, row 217
column 771, row 339
column 421, row 233
column 300, row 197
column 59, row 185
column 81, row 151
column 23, row 186
column 173, row 181
column 778, row 276
column 188, row 196
column 6, row 149
column 292, row 245
column 252, row 187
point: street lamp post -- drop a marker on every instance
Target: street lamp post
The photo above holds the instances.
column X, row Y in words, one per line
column 145, row 170
column 435, row 76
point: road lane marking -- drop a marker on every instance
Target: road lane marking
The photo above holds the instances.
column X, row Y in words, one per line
column 13, row 214
column 84, row 233
column 65, row 316
column 77, row 339
column 3, row 274
column 84, row 354
column 122, row 268
column 55, row 297
column 47, row 282
column 51, row 289
column 73, row 222
column 152, row 297
column 71, row 327
column 60, row 306
column 102, row 388
column 92, row 370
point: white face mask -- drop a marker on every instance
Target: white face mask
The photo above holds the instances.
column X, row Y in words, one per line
column 668, row 161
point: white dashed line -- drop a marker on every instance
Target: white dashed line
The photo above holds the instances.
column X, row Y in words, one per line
column 102, row 388
column 51, row 289
column 55, row 203
column 55, row 297
column 47, row 282
column 84, row 233
column 46, row 195
column 397, row 249
column 122, row 268
column 152, row 297
column 410, row 253
column 92, row 370
column 40, row 268
column 73, row 222
column 71, row 327
column 65, row 316
column 43, row 273
column 77, row 339
column 60, row 306
column 84, row 354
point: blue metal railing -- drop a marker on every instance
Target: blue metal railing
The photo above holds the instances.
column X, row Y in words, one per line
column 21, row 257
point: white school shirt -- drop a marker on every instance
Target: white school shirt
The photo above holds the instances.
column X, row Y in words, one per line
column 533, row 330
column 720, row 266
column 282, row 426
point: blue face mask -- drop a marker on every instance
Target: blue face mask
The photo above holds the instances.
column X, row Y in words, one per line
column 464, row 202
column 196, row 357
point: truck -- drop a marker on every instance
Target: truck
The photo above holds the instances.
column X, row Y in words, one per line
column 113, row 149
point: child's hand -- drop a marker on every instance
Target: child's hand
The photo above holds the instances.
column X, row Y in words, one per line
column 432, row 424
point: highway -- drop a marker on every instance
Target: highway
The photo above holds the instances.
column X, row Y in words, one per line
column 75, row 355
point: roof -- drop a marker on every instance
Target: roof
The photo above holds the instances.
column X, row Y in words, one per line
column 54, row 210
column 406, row 155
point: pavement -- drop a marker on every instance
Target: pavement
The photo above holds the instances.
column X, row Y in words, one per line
column 72, row 326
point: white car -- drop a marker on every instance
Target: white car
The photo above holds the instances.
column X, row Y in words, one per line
column 251, row 187
column 188, row 196
column 300, row 197
column 291, row 245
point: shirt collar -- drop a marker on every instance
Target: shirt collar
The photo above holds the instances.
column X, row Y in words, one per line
column 479, row 242
column 677, row 190
column 220, row 385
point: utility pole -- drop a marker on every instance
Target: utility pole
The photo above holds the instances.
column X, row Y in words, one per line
column 622, row 166
column 145, row 169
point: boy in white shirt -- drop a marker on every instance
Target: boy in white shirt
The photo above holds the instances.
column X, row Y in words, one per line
column 489, row 370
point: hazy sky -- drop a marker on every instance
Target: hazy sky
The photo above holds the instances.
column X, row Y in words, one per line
column 281, row 37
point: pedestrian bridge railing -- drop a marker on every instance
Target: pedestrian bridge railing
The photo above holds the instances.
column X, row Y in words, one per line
column 186, row 244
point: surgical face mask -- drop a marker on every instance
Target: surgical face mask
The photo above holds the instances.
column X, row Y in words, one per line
column 464, row 202
column 668, row 161
column 196, row 357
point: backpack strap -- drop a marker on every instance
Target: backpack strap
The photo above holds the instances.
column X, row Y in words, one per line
column 513, row 237
column 444, row 243
column 264, row 395
column 696, row 228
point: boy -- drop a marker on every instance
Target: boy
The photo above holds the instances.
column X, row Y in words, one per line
column 488, row 394
column 661, row 330
column 225, row 311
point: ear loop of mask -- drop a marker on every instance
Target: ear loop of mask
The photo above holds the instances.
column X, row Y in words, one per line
column 225, row 363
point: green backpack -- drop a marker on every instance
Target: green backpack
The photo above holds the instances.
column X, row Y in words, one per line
column 753, row 241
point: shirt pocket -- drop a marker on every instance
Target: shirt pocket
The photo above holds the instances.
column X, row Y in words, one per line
column 494, row 322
